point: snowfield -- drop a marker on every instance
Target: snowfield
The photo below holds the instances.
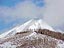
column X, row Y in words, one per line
column 24, row 36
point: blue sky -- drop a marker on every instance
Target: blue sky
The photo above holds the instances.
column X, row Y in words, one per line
column 16, row 12
column 4, row 25
column 9, row 2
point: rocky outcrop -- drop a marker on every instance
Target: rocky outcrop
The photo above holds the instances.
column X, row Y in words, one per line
column 53, row 34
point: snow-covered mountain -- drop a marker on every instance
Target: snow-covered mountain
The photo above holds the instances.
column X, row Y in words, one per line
column 30, row 25
column 24, row 36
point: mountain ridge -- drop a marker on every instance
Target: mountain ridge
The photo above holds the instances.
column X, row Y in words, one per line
column 28, row 35
column 29, row 25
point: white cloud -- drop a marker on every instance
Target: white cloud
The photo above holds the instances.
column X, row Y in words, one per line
column 23, row 9
column 54, row 12
column 26, row 9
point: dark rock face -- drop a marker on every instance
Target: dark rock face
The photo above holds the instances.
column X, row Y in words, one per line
column 53, row 34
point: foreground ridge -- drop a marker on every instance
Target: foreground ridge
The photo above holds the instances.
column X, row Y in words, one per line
column 29, row 39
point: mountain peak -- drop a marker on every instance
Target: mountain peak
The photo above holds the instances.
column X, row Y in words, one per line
column 30, row 25
column 40, row 24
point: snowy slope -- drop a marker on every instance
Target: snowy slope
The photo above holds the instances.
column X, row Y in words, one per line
column 6, row 33
column 16, row 29
column 40, row 24
column 31, row 24
column 31, row 36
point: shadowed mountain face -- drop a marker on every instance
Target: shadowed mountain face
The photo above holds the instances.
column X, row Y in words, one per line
column 53, row 34
column 29, row 39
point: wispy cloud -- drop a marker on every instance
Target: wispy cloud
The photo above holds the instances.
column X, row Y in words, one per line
column 22, row 10
column 52, row 11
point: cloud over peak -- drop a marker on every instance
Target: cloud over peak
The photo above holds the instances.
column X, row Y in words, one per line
column 52, row 11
